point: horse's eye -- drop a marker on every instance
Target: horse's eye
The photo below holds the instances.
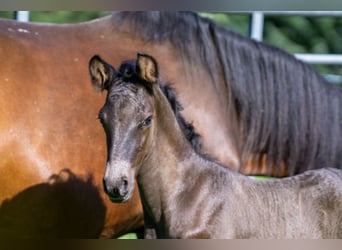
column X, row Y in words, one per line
column 146, row 122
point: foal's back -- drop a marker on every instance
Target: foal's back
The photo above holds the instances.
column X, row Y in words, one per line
column 321, row 198
column 305, row 206
column 218, row 203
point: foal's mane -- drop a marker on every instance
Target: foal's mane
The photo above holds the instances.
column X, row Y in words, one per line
column 186, row 127
column 285, row 109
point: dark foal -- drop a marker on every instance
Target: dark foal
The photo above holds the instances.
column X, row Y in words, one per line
column 186, row 195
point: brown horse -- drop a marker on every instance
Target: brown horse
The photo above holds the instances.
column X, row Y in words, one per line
column 47, row 165
column 47, row 121
column 185, row 195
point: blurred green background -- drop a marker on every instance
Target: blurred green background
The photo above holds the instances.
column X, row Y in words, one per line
column 295, row 34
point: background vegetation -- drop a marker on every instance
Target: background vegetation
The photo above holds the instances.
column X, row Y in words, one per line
column 295, row 34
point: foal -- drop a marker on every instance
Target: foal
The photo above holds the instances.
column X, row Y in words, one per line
column 186, row 195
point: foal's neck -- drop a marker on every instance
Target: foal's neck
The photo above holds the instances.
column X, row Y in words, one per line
column 170, row 141
column 170, row 149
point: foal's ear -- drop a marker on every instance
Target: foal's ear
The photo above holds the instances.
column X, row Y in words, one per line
column 101, row 73
column 147, row 68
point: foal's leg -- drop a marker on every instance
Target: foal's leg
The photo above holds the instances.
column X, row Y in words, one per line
column 150, row 233
column 150, row 229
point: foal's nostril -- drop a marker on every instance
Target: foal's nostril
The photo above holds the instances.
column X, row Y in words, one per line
column 124, row 186
column 121, row 189
column 118, row 189
column 124, row 182
column 116, row 192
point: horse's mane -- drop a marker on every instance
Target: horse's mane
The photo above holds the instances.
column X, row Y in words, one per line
column 285, row 109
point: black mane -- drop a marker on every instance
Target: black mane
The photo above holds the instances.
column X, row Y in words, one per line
column 285, row 109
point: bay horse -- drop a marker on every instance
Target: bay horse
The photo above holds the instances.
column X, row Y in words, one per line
column 250, row 123
column 186, row 195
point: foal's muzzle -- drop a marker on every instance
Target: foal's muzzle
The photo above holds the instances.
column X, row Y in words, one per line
column 117, row 190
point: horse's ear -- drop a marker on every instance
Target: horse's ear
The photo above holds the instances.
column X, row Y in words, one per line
column 101, row 73
column 147, row 68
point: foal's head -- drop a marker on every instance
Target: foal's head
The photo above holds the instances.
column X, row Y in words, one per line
column 127, row 118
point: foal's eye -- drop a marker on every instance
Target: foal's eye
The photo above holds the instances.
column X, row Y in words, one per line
column 146, row 122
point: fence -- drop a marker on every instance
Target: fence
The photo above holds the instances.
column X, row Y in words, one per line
column 22, row 16
column 256, row 32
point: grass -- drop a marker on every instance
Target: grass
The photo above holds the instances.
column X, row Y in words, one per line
column 129, row 236
column 263, row 178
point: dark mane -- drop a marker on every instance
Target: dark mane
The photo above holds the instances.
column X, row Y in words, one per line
column 285, row 109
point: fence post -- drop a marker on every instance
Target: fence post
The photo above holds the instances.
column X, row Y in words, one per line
column 257, row 25
column 22, row 16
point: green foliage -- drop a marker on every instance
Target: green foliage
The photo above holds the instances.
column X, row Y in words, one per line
column 298, row 34
column 65, row 16
column 58, row 16
column 234, row 22
column 6, row 14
